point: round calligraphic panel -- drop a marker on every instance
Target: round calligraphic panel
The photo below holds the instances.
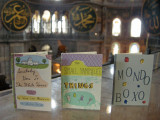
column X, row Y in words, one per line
column 151, row 16
column 16, row 15
column 82, row 17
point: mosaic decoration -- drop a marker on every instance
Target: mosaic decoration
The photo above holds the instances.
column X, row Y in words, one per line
column 82, row 17
column 151, row 16
column 132, row 79
column 81, row 76
column 31, row 74
column 16, row 15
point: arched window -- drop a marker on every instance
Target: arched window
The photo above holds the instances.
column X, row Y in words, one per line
column 134, row 48
column 46, row 17
column 116, row 27
column 136, row 27
column 64, row 24
column 115, row 48
column 36, row 22
column 55, row 22
column 59, row 26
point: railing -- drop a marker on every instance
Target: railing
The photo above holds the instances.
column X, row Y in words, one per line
column 5, row 92
column 29, row 36
column 156, row 62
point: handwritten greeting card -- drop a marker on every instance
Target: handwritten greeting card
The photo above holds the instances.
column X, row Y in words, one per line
column 32, row 81
column 81, row 76
column 132, row 79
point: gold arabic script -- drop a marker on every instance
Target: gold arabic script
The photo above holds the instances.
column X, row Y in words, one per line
column 83, row 17
column 16, row 16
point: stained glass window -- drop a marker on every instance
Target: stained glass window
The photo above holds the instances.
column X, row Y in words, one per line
column 46, row 17
column 116, row 27
column 136, row 27
column 134, row 48
column 36, row 22
column 115, row 48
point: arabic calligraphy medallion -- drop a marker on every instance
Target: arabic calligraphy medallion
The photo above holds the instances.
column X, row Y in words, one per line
column 16, row 15
column 151, row 16
column 82, row 17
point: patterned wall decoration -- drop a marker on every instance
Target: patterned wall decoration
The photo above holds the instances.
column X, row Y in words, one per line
column 16, row 15
column 151, row 16
column 82, row 17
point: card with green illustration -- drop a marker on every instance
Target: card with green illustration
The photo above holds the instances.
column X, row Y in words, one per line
column 81, row 76
column 32, row 81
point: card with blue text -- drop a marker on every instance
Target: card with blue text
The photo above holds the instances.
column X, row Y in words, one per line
column 32, row 81
column 132, row 79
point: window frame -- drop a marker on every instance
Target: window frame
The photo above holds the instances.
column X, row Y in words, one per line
column 136, row 36
column 120, row 26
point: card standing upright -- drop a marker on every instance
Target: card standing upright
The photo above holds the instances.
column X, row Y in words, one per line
column 31, row 74
column 132, row 79
column 81, row 81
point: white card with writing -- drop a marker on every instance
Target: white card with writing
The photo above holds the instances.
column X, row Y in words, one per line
column 32, row 81
column 132, row 79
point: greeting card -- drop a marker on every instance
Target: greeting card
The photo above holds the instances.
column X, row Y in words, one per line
column 32, row 81
column 81, row 76
column 132, row 79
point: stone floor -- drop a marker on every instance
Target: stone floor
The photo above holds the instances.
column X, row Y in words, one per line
column 107, row 111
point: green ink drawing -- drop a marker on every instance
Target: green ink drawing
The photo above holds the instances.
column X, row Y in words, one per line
column 40, row 66
column 18, row 59
column 79, row 98
column 44, row 61
column 35, row 62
